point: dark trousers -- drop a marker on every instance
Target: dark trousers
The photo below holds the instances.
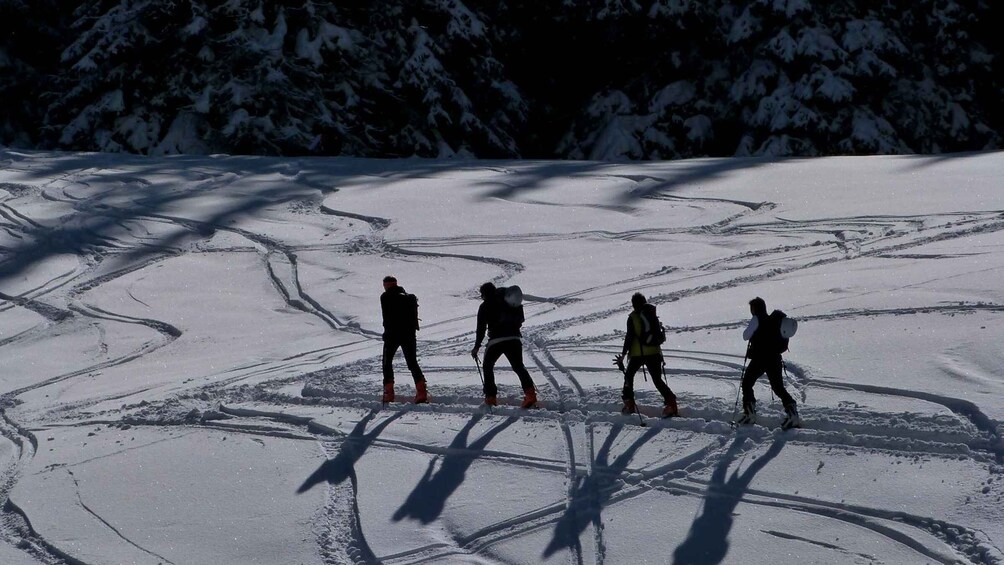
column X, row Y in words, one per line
column 513, row 351
column 756, row 368
column 409, row 347
column 654, row 365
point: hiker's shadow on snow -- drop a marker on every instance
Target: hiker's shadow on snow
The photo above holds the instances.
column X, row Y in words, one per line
column 593, row 492
column 707, row 543
column 342, row 466
column 428, row 498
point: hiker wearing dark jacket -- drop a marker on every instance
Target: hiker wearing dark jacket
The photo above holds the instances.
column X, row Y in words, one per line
column 400, row 322
column 502, row 323
column 764, row 353
column 642, row 354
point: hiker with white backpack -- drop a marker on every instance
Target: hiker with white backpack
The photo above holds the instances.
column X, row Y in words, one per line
column 501, row 316
column 768, row 339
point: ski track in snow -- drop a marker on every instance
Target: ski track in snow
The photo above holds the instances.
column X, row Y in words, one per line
column 596, row 479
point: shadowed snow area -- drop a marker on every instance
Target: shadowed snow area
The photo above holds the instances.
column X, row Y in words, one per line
column 191, row 361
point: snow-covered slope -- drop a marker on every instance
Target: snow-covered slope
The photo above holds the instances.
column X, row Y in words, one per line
column 191, row 361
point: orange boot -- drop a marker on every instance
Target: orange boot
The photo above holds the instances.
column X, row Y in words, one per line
column 529, row 398
column 670, row 408
column 421, row 395
column 629, row 406
column 388, row 392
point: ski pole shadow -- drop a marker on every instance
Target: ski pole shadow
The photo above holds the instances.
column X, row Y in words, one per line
column 707, row 543
column 428, row 498
column 592, row 493
column 342, row 466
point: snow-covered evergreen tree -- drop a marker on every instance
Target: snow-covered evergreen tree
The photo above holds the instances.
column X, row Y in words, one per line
column 29, row 38
column 822, row 79
column 115, row 90
column 285, row 77
column 789, row 87
column 792, row 77
column 687, row 90
column 456, row 99
column 596, row 79
column 935, row 103
column 664, row 106
column 186, row 76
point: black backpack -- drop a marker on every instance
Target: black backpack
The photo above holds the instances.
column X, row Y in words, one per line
column 409, row 311
column 777, row 342
column 652, row 330
column 508, row 314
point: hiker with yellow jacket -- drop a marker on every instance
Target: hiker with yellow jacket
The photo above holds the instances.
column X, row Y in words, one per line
column 642, row 345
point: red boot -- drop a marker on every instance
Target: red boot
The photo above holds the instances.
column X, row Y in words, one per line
column 529, row 398
column 388, row 392
column 491, row 401
column 670, row 408
column 421, row 395
column 629, row 406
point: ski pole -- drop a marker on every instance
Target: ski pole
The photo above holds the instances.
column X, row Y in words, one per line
column 735, row 407
column 477, row 362
column 784, row 367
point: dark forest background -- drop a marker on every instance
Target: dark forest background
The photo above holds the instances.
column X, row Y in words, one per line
column 548, row 79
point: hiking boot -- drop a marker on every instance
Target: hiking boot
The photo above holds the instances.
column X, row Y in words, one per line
column 670, row 409
column 749, row 413
column 529, row 398
column 388, row 392
column 629, row 406
column 421, row 395
column 791, row 418
column 491, row 401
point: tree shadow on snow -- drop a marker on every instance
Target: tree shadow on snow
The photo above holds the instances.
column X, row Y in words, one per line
column 707, row 542
column 643, row 179
column 342, row 466
column 101, row 221
column 929, row 161
column 593, row 492
column 428, row 498
column 134, row 188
